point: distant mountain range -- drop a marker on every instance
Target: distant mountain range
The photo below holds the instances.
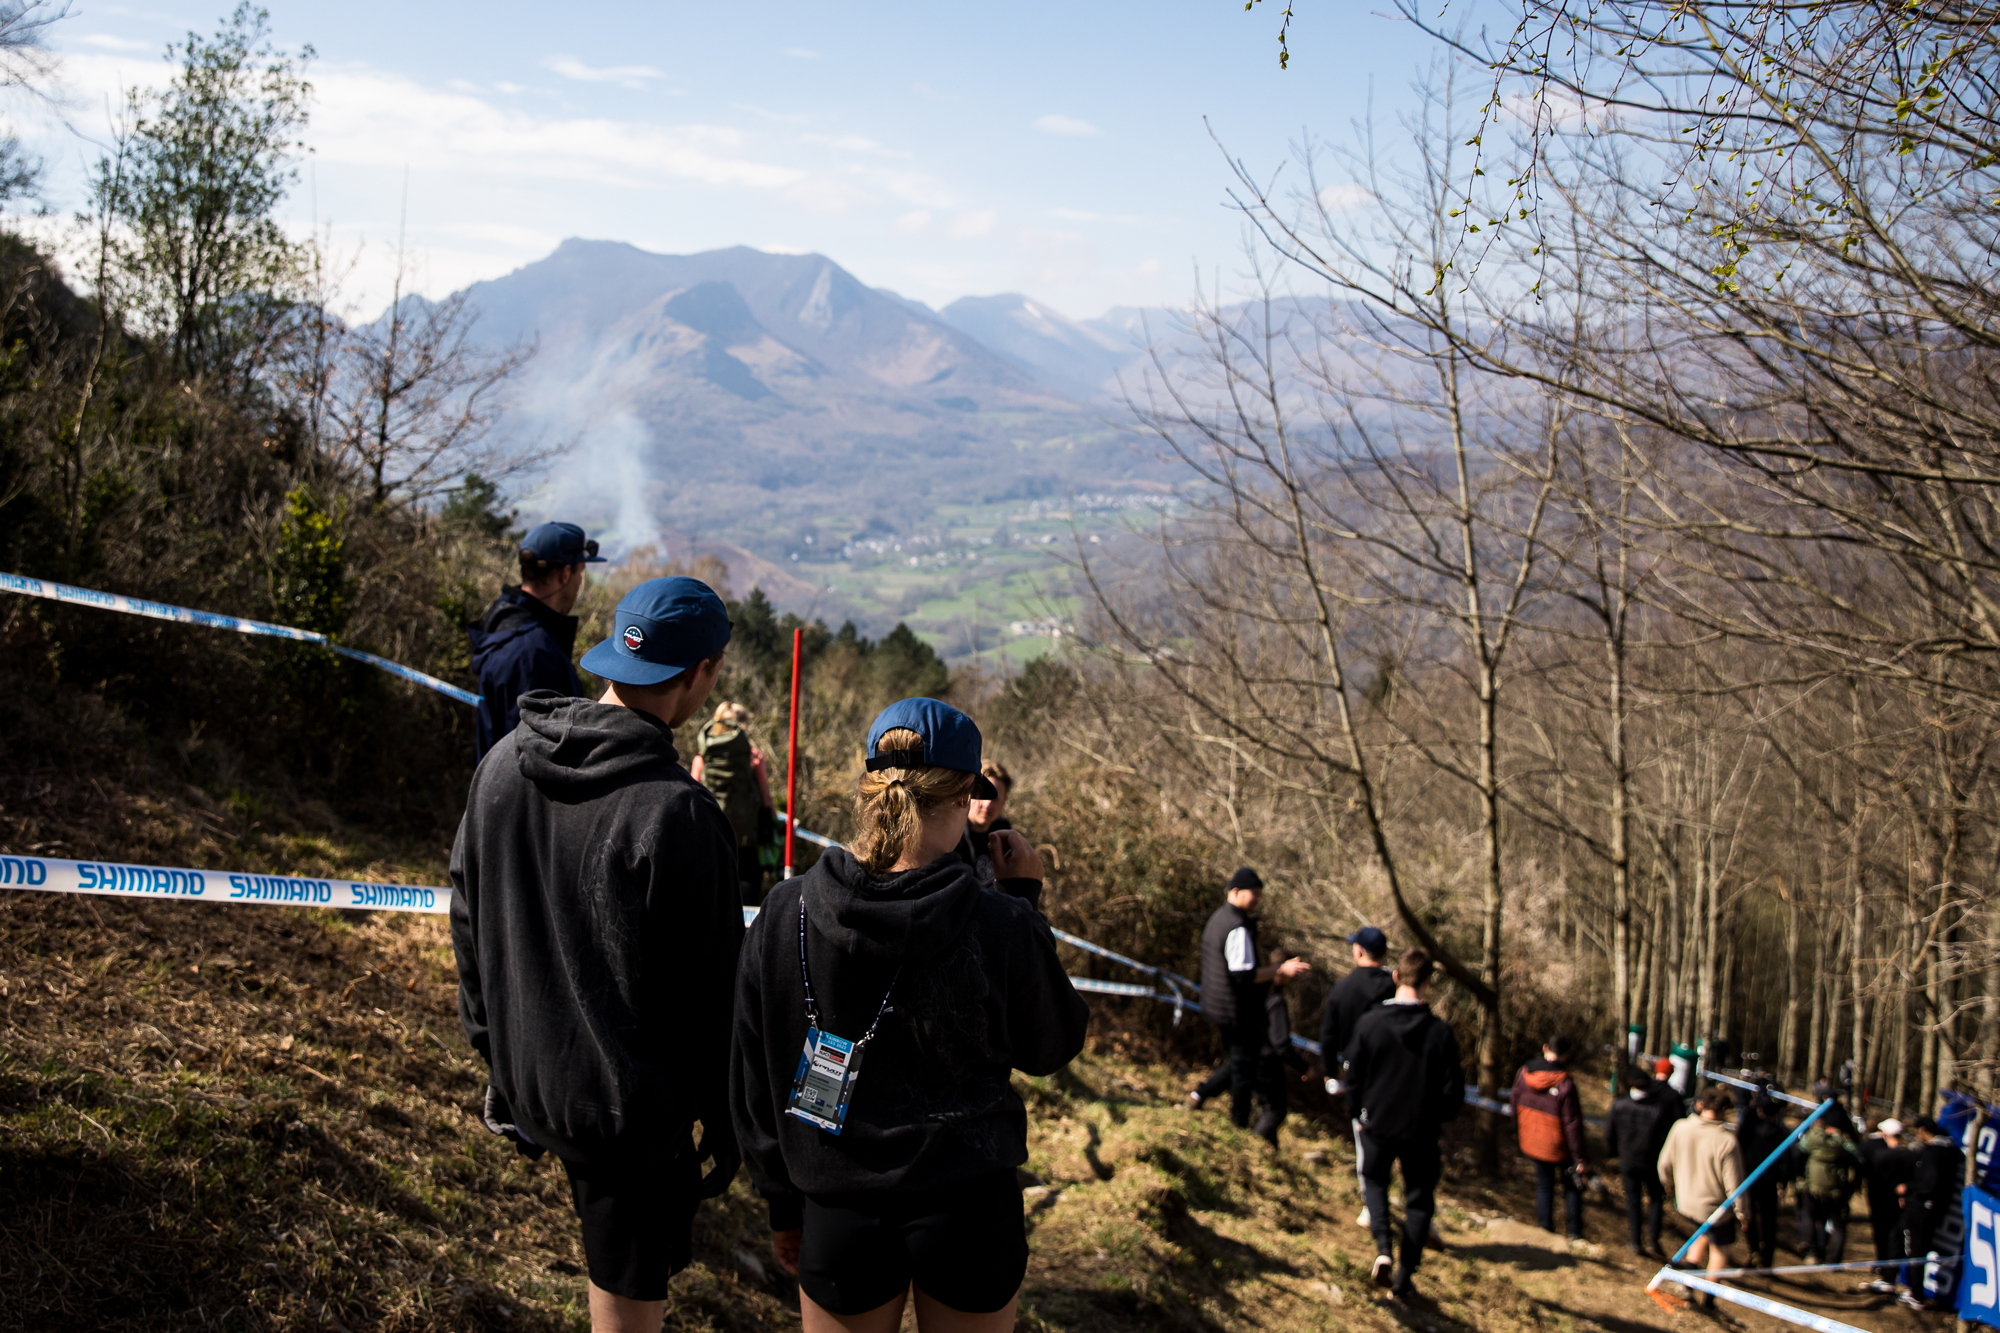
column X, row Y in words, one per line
column 742, row 394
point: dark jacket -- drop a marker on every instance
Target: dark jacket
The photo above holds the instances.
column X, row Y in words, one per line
column 1638, row 1126
column 1404, row 1073
column 1759, row 1136
column 1548, row 1113
column 1352, row 996
column 978, row 991
column 1230, row 991
column 519, row 644
column 595, row 920
column 1937, row 1175
column 1278, row 1031
column 1886, row 1168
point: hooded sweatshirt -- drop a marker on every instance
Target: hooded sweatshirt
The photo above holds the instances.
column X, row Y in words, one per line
column 1548, row 1112
column 974, row 988
column 1405, row 1076
column 519, row 643
column 1700, row 1164
column 1355, row 994
column 595, row 921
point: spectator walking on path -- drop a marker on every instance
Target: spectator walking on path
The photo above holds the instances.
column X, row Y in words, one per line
column 595, row 924
column 1367, row 985
column 1548, row 1114
column 897, row 1172
column 1235, row 984
column 1887, row 1164
column 732, row 766
column 524, row 640
column 1700, row 1165
column 1406, row 1079
column 1638, row 1128
column 1760, row 1132
column 1832, row 1169
column 1935, row 1178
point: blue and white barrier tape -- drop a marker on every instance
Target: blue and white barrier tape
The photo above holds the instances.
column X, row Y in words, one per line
column 808, row 834
column 1791, row 1314
column 114, row 879
column 139, row 606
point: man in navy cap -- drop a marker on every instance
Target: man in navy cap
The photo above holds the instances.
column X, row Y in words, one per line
column 595, row 921
column 1363, row 989
column 524, row 640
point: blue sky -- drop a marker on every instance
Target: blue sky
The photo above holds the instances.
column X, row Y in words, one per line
column 938, row 150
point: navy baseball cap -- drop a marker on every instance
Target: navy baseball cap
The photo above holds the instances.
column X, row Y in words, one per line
column 561, row 544
column 1371, row 939
column 661, row 628
column 951, row 740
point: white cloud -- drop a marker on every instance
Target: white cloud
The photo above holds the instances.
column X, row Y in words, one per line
column 1340, row 198
column 967, row 226
column 1067, row 125
column 911, row 223
column 625, row 76
column 104, row 41
column 801, row 53
column 511, row 87
column 852, row 143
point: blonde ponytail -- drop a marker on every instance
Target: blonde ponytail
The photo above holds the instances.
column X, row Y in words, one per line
column 890, row 805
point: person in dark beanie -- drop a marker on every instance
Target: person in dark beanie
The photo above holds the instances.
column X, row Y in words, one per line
column 1936, row 1177
column 1405, row 1080
column 523, row 641
column 1637, row 1130
column 895, row 1173
column 1548, row 1114
column 595, row 922
column 1235, row 984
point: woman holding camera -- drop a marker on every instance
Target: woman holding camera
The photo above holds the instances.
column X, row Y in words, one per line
column 883, row 1000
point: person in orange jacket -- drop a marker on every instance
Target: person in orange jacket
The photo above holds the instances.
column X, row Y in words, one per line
column 1549, row 1115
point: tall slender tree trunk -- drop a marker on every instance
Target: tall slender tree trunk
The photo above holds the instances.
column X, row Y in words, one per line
column 1816, row 1037
column 1787, row 1063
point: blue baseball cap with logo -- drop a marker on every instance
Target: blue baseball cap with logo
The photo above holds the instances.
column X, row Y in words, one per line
column 951, row 740
column 661, row 628
column 561, row 544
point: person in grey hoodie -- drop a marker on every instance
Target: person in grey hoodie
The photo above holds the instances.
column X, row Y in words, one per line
column 595, row 921
column 885, row 998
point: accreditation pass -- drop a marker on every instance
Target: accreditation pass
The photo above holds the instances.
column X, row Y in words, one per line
column 825, row 1081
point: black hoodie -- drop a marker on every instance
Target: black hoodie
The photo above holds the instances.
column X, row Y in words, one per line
column 978, row 992
column 595, row 919
column 1357, row 993
column 1404, row 1074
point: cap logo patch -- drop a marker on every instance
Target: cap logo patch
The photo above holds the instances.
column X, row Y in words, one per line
column 635, row 638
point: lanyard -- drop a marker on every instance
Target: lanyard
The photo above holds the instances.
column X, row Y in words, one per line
column 812, row 1008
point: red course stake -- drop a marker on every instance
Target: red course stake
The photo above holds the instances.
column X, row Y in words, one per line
column 792, row 755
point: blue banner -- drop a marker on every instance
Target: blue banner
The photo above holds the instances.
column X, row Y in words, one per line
column 1979, row 1287
column 139, row 606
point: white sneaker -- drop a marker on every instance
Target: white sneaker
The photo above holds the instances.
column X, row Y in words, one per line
column 1383, row 1273
column 1364, row 1219
column 1878, row 1285
column 1194, row 1097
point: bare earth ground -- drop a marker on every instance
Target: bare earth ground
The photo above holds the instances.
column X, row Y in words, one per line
column 265, row 1118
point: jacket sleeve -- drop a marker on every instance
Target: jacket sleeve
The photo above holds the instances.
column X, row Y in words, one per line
column 465, row 946
column 711, row 931
column 1360, row 1068
column 1663, row 1165
column 1332, row 1039
column 1611, row 1132
column 1046, row 1017
column 753, row 1106
column 1454, row 1077
column 1732, row 1176
column 1572, row 1123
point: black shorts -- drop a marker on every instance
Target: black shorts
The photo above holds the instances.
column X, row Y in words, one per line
column 638, row 1224
column 964, row 1244
column 1723, row 1233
